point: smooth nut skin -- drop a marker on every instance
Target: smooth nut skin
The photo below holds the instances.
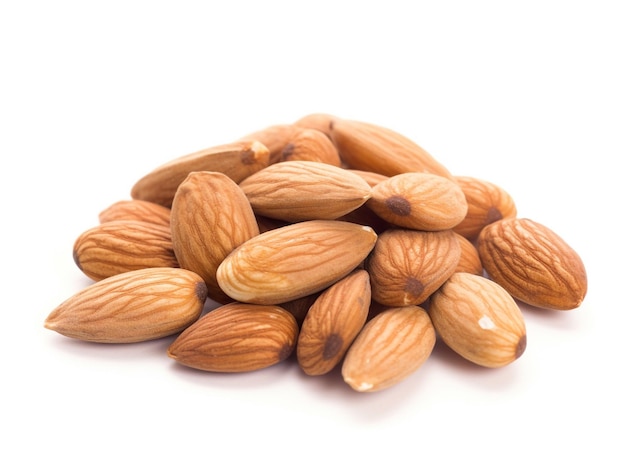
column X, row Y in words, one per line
column 533, row 263
column 478, row 320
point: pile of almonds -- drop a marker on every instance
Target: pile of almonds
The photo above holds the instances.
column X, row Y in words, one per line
column 342, row 243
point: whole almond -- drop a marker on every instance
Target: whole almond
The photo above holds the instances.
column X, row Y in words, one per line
column 116, row 247
column 533, row 263
column 311, row 145
column 210, row 217
column 237, row 160
column 332, row 323
column 419, row 201
column 470, row 259
column 274, row 138
column 478, row 320
column 392, row 346
column 407, row 266
column 320, row 121
column 294, row 261
column 237, row 337
column 131, row 307
column 136, row 210
column 302, row 190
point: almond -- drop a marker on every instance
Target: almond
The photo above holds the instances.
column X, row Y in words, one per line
column 237, row 160
column 131, row 307
column 332, row 323
column 319, row 121
column 294, row 261
column 136, row 210
column 116, row 247
column 210, row 217
column 479, row 320
column 274, row 138
column 470, row 259
column 311, row 145
column 407, row 266
column 533, row 263
column 371, row 178
column 392, row 346
column 237, row 337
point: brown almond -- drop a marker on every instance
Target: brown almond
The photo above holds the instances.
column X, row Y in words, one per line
column 311, row 145
column 274, row 138
column 470, row 259
column 136, row 210
column 320, row 121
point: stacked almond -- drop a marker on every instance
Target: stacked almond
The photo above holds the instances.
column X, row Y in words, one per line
column 340, row 243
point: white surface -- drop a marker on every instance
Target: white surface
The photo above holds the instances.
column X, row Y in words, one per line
column 529, row 96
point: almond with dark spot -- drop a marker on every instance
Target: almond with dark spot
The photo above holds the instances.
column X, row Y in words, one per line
column 311, row 145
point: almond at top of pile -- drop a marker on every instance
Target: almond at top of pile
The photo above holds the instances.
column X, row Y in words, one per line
column 342, row 243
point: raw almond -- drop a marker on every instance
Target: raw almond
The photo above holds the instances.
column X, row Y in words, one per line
column 319, row 121
column 479, row 320
column 237, row 337
column 294, row 261
column 274, row 138
column 131, row 307
column 311, row 145
column 392, row 346
column 470, row 259
column 136, row 210
column 533, row 263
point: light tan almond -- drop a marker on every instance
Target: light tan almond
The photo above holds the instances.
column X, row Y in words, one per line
column 407, row 266
column 237, row 160
column 366, row 146
column 392, row 346
column 131, row 307
column 533, row 263
column 319, row 121
column 303, row 190
column 210, row 217
column 419, row 201
column 470, row 259
column 137, row 210
column 237, row 337
column 478, row 320
column 311, row 145
column 486, row 203
column 332, row 323
column 116, row 247
column 294, row 261
column 274, row 138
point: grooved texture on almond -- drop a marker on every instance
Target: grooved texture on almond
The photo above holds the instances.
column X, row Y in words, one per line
column 136, row 210
column 210, row 217
column 479, row 320
column 294, row 261
column 274, row 138
column 311, row 145
column 391, row 346
column 132, row 307
column 237, row 337
column 533, row 263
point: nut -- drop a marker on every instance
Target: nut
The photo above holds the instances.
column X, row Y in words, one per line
column 470, row 259
column 311, row 145
column 136, row 210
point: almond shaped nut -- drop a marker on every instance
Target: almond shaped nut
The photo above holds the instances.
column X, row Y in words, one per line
column 407, row 266
column 304, row 190
column 237, row 337
column 210, row 217
column 116, row 247
column 479, row 320
column 136, row 210
column 486, row 203
column 332, row 322
column 237, row 160
column 390, row 347
column 274, row 138
column 533, row 263
column 132, row 307
column 294, row 261
column 319, row 121
column 311, row 145
column 470, row 259
column 421, row 201
column 370, row 147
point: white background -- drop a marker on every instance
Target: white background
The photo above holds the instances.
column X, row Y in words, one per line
column 529, row 95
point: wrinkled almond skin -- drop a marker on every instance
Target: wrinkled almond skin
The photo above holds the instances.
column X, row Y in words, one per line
column 479, row 320
column 136, row 210
column 274, row 138
column 132, row 307
column 210, row 217
column 486, row 203
column 294, row 261
column 533, row 263
column 470, row 259
column 311, row 145
column 303, row 190
column 392, row 346
column 373, row 148
column 419, row 201
column 116, row 247
column 407, row 266
column 332, row 323
column 237, row 160
column 237, row 337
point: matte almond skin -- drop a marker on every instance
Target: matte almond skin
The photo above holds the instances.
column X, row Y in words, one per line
column 237, row 337
column 319, row 121
column 407, row 266
column 332, row 323
column 274, row 138
column 136, row 210
column 294, row 261
column 210, row 217
column 391, row 346
column 311, row 145
column 479, row 320
column 533, row 263
column 470, row 259
column 132, row 307
column 420, row 201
